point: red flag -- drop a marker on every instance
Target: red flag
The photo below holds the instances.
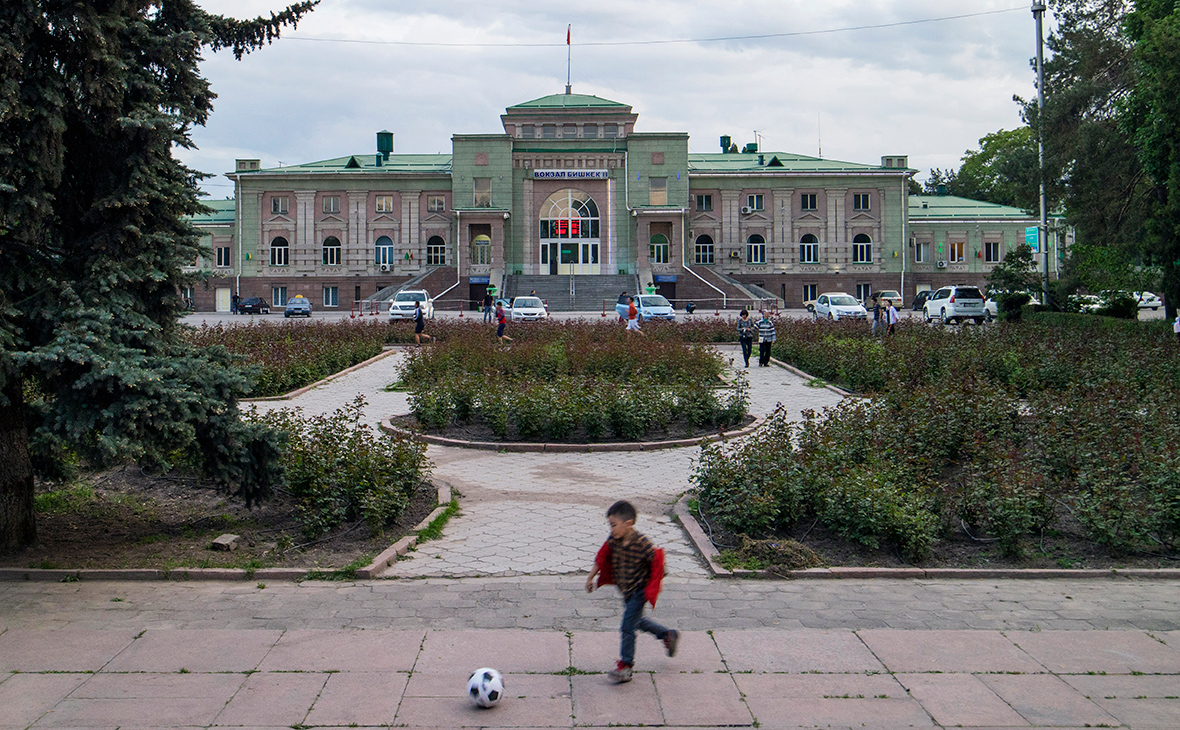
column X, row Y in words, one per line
column 567, row 34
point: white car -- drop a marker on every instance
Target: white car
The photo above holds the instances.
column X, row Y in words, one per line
column 1147, row 300
column 955, row 303
column 654, row 306
column 991, row 308
column 402, row 306
column 528, row 309
column 839, row 305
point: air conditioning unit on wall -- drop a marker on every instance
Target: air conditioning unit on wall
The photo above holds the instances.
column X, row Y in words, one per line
column 734, row 255
column 746, row 210
column 942, row 264
column 386, row 267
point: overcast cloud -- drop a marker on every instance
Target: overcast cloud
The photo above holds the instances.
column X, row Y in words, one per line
column 928, row 90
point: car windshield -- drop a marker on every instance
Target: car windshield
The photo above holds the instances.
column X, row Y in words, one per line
column 410, row 296
column 526, row 303
column 844, row 301
column 888, row 294
column 969, row 292
column 296, row 300
column 654, row 301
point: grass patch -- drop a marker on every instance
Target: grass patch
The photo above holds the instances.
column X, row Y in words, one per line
column 433, row 531
column 348, row 572
column 71, row 499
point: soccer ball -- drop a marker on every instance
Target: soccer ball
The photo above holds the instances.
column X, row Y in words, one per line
column 486, row 687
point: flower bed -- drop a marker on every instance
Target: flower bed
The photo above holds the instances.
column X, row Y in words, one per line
column 1048, row 429
column 570, row 383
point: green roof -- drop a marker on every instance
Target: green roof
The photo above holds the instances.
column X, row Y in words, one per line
column 558, row 101
column 717, row 162
column 222, row 214
column 367, row 161
column 951, row 206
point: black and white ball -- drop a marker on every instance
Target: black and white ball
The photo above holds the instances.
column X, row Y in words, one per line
column 486, row 687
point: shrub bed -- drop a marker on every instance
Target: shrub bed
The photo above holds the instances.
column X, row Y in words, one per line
column 1007, row 434
column 571, row 383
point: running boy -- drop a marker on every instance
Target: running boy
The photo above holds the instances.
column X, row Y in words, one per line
column 630, row 561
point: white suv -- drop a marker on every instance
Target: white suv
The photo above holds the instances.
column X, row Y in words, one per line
column 955, row 303
column 402, row 306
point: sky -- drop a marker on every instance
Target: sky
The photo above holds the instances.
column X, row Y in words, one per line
column 817, row 79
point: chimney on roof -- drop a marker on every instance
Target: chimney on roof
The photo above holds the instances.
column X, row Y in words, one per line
column 385, row 143
column 940, row 189
column 726, row 140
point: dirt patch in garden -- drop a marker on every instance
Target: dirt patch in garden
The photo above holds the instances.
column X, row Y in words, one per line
column 477, row 430
column 1056, row 549
column 124, row 518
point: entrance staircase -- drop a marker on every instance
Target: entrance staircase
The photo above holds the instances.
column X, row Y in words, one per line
column 572, row 293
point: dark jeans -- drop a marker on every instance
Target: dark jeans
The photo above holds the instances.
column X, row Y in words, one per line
column 763, row 353
column 747, row 347
column 633, row 619
column 487, row 313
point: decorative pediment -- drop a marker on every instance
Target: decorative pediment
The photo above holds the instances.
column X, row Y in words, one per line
column 437, row 216
column 330, row 218
column 705, row 218
column 809, row 218
column 861, row 216
column 384, row 218
column 280, row 219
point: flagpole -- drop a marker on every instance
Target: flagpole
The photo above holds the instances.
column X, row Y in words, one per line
column 568, row 58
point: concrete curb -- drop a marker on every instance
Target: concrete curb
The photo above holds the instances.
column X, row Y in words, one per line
column 838, row 391
column 521, row 447
column 707, row 551
column 373, row 570
column 295, row 393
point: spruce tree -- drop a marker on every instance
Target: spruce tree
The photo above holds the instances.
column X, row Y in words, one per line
column 94, row 97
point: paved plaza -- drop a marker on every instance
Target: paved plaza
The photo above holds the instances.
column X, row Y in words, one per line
column 504, row 588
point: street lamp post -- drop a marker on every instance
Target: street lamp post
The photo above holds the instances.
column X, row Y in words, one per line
column 1038, row 10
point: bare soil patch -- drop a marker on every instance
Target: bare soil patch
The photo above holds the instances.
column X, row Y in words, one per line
column 477, row 430
column 124, row 518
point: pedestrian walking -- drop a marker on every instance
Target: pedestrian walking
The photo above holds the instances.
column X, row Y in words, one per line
column 233, row 303
column 621, row 307
column 876, row 314
column 1176, row 327
column 766, row 337
column 487, row 307
column 630, row 561
column 632, row 316
column 501, row 324
column 892, row 317
column 745, row 327
column 420, row 324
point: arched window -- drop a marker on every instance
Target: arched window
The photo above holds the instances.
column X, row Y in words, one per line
column 862, row 249
column 808, row 249
column 569, row 213
column 436, row 251
column 481, row 250
column 704, row 254
column 384, row 252
column 658, row 249
column 331, row 255
column 280, row 251
column 755, row 249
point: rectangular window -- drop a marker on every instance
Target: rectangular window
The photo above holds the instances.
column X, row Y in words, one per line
column 704, row 254
column 223, row 256
column 436, row 203
column 860, row 201
column 384, row 203
column 331, row 298
column 704, row 202
column 659, row 190
column 481, row 253
column 921, row 252
column 809, row 253
column 527, row 131
column 991, row 252
column 590, row 131
column 809, row 292
column 436, row 254
column 279, row 255
column 278, row 296
column 278, row 204
column 331, row 255
column 755, row 253
column 862, row 253
column 549, row 131
column 957, row 249
column 658, row 252
column 569, row 131
column 483, row 192
column 754, row 202
column 807, row 201
column 610, row 131
column 331, row 204
column 864, row 292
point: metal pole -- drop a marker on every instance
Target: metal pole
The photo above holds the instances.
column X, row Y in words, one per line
column 1038, row 10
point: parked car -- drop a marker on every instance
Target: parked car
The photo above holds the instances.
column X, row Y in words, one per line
column 1147, row 300
column 809, row 305
column 502, row 302
column 920, row 300
column 298, row 306
column 955, row 304
column 991, row 308
column 889, row 295
column 528, row 309
column 839, row 305
column 402, row 305
column 253, row 305
column 622, row 306
column 654, row 306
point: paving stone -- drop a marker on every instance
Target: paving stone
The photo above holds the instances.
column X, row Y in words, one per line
column 598, row 701
column 344, row 651
column 363, row 698
column 273, row 699
column 1043, row 699
column 137, row 712
column 60, row 650
column 25, row 697
column 947, row 651
column 1115, row 652
column 793, row 700
column 597, row 651
column 509, row 651
column 195, row 650
column 1125, row 687
column 1144, row 713
column 801, row 650
column 123, row 686
column 959, row 699
column 701, row 699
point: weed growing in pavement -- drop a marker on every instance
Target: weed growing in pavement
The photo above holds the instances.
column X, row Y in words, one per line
column 433, row 531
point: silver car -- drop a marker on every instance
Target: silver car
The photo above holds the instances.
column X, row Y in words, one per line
column 528, row 309
column 837, row 305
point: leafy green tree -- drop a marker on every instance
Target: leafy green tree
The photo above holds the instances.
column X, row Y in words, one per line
column 1152, row 116
column 1003, row 170
column 1012, row 279
column 93, row 234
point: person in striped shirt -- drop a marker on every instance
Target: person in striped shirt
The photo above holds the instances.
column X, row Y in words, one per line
column 766, row 337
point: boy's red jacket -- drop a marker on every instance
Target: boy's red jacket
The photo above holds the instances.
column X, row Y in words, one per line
column 606, row 573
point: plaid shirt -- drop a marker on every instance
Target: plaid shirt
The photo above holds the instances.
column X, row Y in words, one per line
column 631, row 563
